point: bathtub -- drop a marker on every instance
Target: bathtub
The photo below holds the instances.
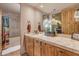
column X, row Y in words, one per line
column 14, row 45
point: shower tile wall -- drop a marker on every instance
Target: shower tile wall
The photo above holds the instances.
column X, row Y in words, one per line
column 14, row 22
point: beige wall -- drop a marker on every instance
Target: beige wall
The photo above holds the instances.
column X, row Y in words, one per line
column 14, row 23
column 29, row 13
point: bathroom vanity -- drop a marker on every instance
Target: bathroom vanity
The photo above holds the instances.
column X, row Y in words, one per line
column 41, row 45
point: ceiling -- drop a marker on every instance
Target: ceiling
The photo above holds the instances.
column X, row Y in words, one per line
column 51, row 7
column 47, row 7
column 13, row 7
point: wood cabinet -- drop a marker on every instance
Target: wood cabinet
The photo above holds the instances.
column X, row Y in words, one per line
column 34, row 46
column 29, row 46
column 25, row 42
column 47, row 50
column 69, row 25
column 53, row 51
column 50, row 50
column 37, row 48
column 63, row 52
column 43, row 49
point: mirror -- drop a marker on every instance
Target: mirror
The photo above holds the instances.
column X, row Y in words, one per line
column 57, row 17
column 52, row 26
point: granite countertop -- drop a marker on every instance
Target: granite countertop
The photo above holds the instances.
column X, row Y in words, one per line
column 61, row 40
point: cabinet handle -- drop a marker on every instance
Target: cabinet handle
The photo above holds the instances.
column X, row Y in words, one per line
column 45, row 43
column 61, row 51
column 36, row 41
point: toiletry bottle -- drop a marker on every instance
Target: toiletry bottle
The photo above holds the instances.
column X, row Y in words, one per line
column 29, row 27
column 39, row 27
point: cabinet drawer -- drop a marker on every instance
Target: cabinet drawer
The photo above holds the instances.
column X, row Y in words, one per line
column 63, row 52
column 29, row 46
column 47, row 50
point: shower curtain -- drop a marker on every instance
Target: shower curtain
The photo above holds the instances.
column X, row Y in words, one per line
column 5, row 32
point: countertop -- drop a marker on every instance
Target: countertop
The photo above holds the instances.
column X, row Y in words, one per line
column 61, row 40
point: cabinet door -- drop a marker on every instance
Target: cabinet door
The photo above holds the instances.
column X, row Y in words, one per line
column 53, row 51
column 63, row 52
column 29, row 45
column 58, row 52
column 26, row 44
column 47, row 50
column 43, row 49
column 68, row 53
column 37, row 48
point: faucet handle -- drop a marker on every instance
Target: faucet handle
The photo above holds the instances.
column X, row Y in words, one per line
column 72, row 35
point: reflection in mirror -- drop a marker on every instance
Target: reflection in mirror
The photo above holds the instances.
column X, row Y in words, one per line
column 57, row 17
column 52, row 25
